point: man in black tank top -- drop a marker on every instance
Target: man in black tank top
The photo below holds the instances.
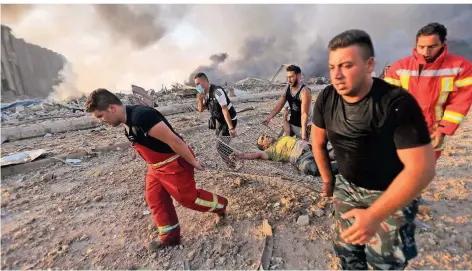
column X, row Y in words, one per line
column 298, row 97
column 170, row 161
column 385, row 158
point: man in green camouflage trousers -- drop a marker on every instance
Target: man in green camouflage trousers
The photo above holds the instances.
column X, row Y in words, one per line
column 390, row 248
column 384, row 154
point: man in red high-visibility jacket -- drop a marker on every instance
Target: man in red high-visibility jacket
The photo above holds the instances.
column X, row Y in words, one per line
column 439, row 81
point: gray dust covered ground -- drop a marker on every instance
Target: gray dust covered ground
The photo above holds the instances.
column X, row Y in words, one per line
column 95, row 216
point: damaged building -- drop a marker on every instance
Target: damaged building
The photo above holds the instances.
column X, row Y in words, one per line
column 28, row 70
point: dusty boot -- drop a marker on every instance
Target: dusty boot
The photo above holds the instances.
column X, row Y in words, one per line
column 157, row 245
column 220, row 219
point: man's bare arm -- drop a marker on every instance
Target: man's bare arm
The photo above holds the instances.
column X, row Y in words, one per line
column 200, row 105
column 286, row 124
column 277, row 108
column 319, row 141
column 419, row 170
column 162, row 132
column 252, row 155
column 306, row 103
column 227, row 116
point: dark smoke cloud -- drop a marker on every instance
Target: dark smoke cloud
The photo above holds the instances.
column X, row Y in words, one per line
column 461, row 47
column 13, row 13
column 212, row 70
column 124, row 23
column 258, row 38
column 219, row 58
column 299, row 34
column 317, row 62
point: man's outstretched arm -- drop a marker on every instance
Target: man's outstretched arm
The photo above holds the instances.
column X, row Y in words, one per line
column 252, row 155
column 277, row 108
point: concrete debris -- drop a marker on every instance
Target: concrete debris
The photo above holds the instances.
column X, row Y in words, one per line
column 318, row 81
column 210, row 263
column 316, row 211
column 48, row 177
column 303, row 220
column 21, row 157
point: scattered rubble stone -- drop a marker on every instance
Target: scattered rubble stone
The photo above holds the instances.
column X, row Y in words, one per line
column 48, row 177
column 303, row 220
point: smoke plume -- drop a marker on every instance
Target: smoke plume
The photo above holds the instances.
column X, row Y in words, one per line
column 12, row 13
column 211, row 70
column 141, row 29
column 115, row 46
column 300, row 34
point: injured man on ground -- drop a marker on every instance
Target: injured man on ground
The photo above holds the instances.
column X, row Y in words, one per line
column 287, row 149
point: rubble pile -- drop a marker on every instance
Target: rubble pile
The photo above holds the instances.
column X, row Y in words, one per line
column 318, row 81
column 256, row 85
column 177, row 94
column 37, row 109
column 21, row 113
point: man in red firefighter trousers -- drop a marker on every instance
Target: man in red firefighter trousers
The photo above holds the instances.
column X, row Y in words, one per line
column 170, row 161
column 439, row 81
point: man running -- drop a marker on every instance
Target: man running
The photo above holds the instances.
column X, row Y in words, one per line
column 298, row 96
column 170, row 161
column 384, row 154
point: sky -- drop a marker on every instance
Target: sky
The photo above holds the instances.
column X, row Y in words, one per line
column 148, row 45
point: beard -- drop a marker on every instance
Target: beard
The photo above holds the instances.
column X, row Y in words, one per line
column 294, row 83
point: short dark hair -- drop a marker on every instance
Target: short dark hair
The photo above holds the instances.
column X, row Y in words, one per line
column 295, row 69
column 433, row 29
column 200, row 75
column 100, row 99
column 353, row 37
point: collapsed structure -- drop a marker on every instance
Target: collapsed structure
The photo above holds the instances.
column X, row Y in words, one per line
column 28, row 70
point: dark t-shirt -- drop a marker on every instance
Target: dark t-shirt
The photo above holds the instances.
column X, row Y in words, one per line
column 366, row 135
column 141, row 119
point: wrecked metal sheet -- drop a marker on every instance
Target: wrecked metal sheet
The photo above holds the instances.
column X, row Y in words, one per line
column 21, row 157
column 141, row 96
